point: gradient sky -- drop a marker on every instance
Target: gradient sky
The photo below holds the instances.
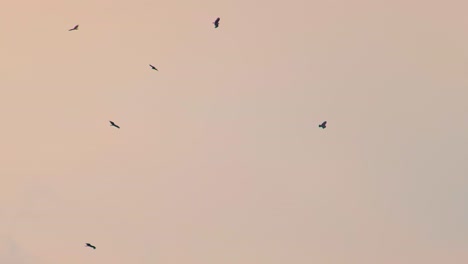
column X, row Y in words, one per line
column 219, row 159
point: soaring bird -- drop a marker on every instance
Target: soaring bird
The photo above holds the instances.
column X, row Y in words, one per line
column 323, row 125
column 91, row 246
column 113, row 124
column 216, row 23
column 74, row 28
column 152, row 67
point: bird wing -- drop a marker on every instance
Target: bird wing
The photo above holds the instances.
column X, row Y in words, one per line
column 324, row 123
column 217, row 20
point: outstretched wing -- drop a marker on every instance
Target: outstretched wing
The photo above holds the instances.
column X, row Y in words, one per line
column 216, row 23
column 91, row 246
column 324, row 123
column 113, row 124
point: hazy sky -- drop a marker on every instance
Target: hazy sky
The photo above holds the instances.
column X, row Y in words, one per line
column 219, row 159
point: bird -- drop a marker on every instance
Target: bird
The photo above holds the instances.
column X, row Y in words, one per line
column 91, row 246
column 216, row 23
column 152, row 67
column 113, row 124
column 74, row 28
column 323, row 125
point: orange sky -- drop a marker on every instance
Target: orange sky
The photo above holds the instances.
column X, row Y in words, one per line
column 219, row 158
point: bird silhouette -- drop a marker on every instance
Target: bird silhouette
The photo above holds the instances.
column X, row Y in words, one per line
column 91, row 246
column 152, row 67
column 216, row 23
column 74, row 28
column 113, row 124
column 323, row 125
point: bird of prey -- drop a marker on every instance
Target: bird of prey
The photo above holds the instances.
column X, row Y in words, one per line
column 74, row 28
column 152, row 67
column 323, row 125
column 216, row 23
column 113, row 124
column 91, row 246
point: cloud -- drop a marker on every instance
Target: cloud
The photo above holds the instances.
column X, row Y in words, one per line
column 12, row 253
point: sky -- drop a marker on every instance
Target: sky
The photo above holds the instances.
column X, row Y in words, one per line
column 219, row 158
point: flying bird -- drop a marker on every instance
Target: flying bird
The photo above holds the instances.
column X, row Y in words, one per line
column 113, row 124
column 74, row 28
column 152, row 67
column 323, row 125
column 91, row 246
column 216, row 23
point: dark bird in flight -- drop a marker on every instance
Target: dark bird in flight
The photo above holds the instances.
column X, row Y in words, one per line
column 216, row 23
column 74, row 28
column 323, row 125
column 113, row 124
column 91, row 246
column 152, row 67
